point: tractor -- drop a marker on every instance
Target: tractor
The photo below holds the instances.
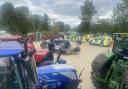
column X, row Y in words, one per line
column 16, row 72
column 110, row 69
column 58, row 76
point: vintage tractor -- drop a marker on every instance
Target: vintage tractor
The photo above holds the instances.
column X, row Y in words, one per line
column 110, row 69
column 16, row 72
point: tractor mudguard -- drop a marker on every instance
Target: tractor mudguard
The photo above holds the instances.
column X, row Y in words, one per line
column 100, row 67
column 101, row 64
column 98, row 62
column 125, row 78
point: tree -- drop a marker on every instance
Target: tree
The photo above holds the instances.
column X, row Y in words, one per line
column 87, row 13
column 22, row 10
column 18, row 19
column 46, row 22
column 120, row 16
column 23, row 20
column 103, row 26
column 38, row 22
column 7, row 14
column 60, row 25
column 67, row 27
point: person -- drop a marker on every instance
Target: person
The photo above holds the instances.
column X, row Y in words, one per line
column 79, row 40
column 51, row 45
column 43, row 43
column 77, row 49
column 67, row 44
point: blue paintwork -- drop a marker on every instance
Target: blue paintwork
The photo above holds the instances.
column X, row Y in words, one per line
column 9, row 48
column 54, row 77
column 54, row 68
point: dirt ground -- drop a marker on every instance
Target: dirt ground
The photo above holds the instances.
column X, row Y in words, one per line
column 88, row 53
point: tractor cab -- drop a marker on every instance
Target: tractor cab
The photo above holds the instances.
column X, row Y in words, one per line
column 16, row 72
column 121, row 44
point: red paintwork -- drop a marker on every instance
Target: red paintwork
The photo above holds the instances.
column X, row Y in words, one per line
column 30, row 46
column 40, row 55
column 11, row 38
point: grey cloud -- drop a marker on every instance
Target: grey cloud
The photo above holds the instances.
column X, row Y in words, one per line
column 105, row 6
column 64, row 9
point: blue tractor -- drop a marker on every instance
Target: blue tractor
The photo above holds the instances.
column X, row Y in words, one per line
column 58, row 76
column 16, row 72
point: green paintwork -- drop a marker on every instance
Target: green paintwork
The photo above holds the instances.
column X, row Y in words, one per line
column 115, row 76
column 108, row 54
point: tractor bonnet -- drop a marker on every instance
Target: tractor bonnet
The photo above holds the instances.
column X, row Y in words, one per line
column 54, row 69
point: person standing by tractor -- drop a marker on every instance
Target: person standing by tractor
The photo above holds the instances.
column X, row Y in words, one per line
column 51, row 48
column 77, row 48
column 43, row 42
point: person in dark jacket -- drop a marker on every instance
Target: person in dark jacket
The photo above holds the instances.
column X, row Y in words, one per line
column 51, row 45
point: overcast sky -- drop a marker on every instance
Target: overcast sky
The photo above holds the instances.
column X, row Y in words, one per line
column 67, row 11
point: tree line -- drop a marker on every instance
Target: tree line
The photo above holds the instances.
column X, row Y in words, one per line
column 20, row 20
column 117, row 23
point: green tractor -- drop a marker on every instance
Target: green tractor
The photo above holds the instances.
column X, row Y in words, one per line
column 110, row 69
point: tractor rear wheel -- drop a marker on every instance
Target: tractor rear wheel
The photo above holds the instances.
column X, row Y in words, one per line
column 126, row 79
column 100, row 66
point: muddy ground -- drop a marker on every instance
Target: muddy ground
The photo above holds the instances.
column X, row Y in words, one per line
column 88, row 53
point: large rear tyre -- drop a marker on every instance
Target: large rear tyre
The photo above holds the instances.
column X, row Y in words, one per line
column 126, row 79
column 97, row 84
column 100, row 66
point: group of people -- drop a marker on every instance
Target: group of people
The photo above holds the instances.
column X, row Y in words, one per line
column 51, row 45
